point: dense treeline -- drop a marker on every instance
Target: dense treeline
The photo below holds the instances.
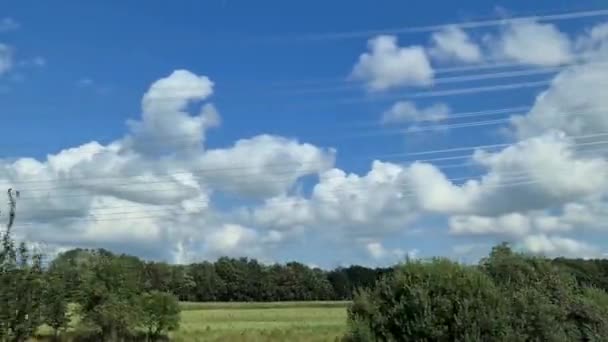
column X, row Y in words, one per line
column 243, row 279
column 227, row 279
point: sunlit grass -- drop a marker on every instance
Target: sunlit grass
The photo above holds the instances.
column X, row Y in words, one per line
column 274, row 321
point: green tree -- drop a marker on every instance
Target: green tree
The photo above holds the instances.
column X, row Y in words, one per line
column 181, row 283
column 160, row 313
column 430, row 301
column 340, row 283
column 158, row 276
column 546, row 302
column 55, row 309
column 109, row 296
column 208, row 285
column 20, row 285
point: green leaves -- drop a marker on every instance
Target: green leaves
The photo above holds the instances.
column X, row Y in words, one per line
column 509, row 297
column 109, row 295
column 21, row 290
column 55, row 311
column 160, row 313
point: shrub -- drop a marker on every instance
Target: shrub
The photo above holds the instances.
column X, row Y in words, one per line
column 160, row 313
column 508, row 297
column 430, row 301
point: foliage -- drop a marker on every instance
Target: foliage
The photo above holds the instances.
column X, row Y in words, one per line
column 508, row 297
column 55, row 311
column 20, row 285
column 430, row 301
column 109, row 296
column 546, row 301
column 160, row 313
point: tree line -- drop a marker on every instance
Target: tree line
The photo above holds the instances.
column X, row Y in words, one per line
column 245, row 279
column 226, row 279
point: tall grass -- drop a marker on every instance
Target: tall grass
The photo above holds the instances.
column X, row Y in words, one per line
column 261, row 305
column 239, row 322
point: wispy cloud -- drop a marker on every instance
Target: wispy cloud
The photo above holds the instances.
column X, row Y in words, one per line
column 6, row 58
column 85, row 82
column 8, row 24
column 37, row 61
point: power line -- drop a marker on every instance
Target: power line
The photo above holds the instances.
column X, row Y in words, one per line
column 383, row 132
column 149, row 190
column 438, row 71
column 462, row 25
column 448, row 92
column 279, row 168
column 443, row 80
column 524, row 179
column 274, row 166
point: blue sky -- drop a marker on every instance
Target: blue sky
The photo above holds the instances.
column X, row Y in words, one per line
column 78, row 71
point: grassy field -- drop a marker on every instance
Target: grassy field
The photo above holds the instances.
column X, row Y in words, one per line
column 283, row 321
column 298, row 321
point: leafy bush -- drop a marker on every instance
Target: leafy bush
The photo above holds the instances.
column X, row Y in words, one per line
column 160, row 313
column 109, row 296
column 430, row 301
column 55, row 311
column 508, row 297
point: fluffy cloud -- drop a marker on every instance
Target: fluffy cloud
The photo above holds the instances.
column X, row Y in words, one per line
column 574, row 103
column 532, row 174
column 514, row 224
column 352, row 205
column 584, row 215
column 262, row 166
column 406, row 111
column 233, row 240
column 166, row 125
column 156, row 201
column 387, row 65
column 558, row 246
column 452, row 43
column 285, row 213
column 6, row 58
column 529, row 42
column 378, row 252
column 548, row 170
column 356, row 202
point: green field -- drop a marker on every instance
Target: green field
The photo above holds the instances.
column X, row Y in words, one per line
column 299, row 321
column 284, row 321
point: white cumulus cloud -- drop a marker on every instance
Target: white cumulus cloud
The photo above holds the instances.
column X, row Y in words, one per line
column 533, row 43
column 165, row 122
column 552, row 246
column 388, row 65
column 454, row 44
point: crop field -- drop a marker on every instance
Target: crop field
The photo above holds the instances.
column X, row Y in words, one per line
column 281, row 321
